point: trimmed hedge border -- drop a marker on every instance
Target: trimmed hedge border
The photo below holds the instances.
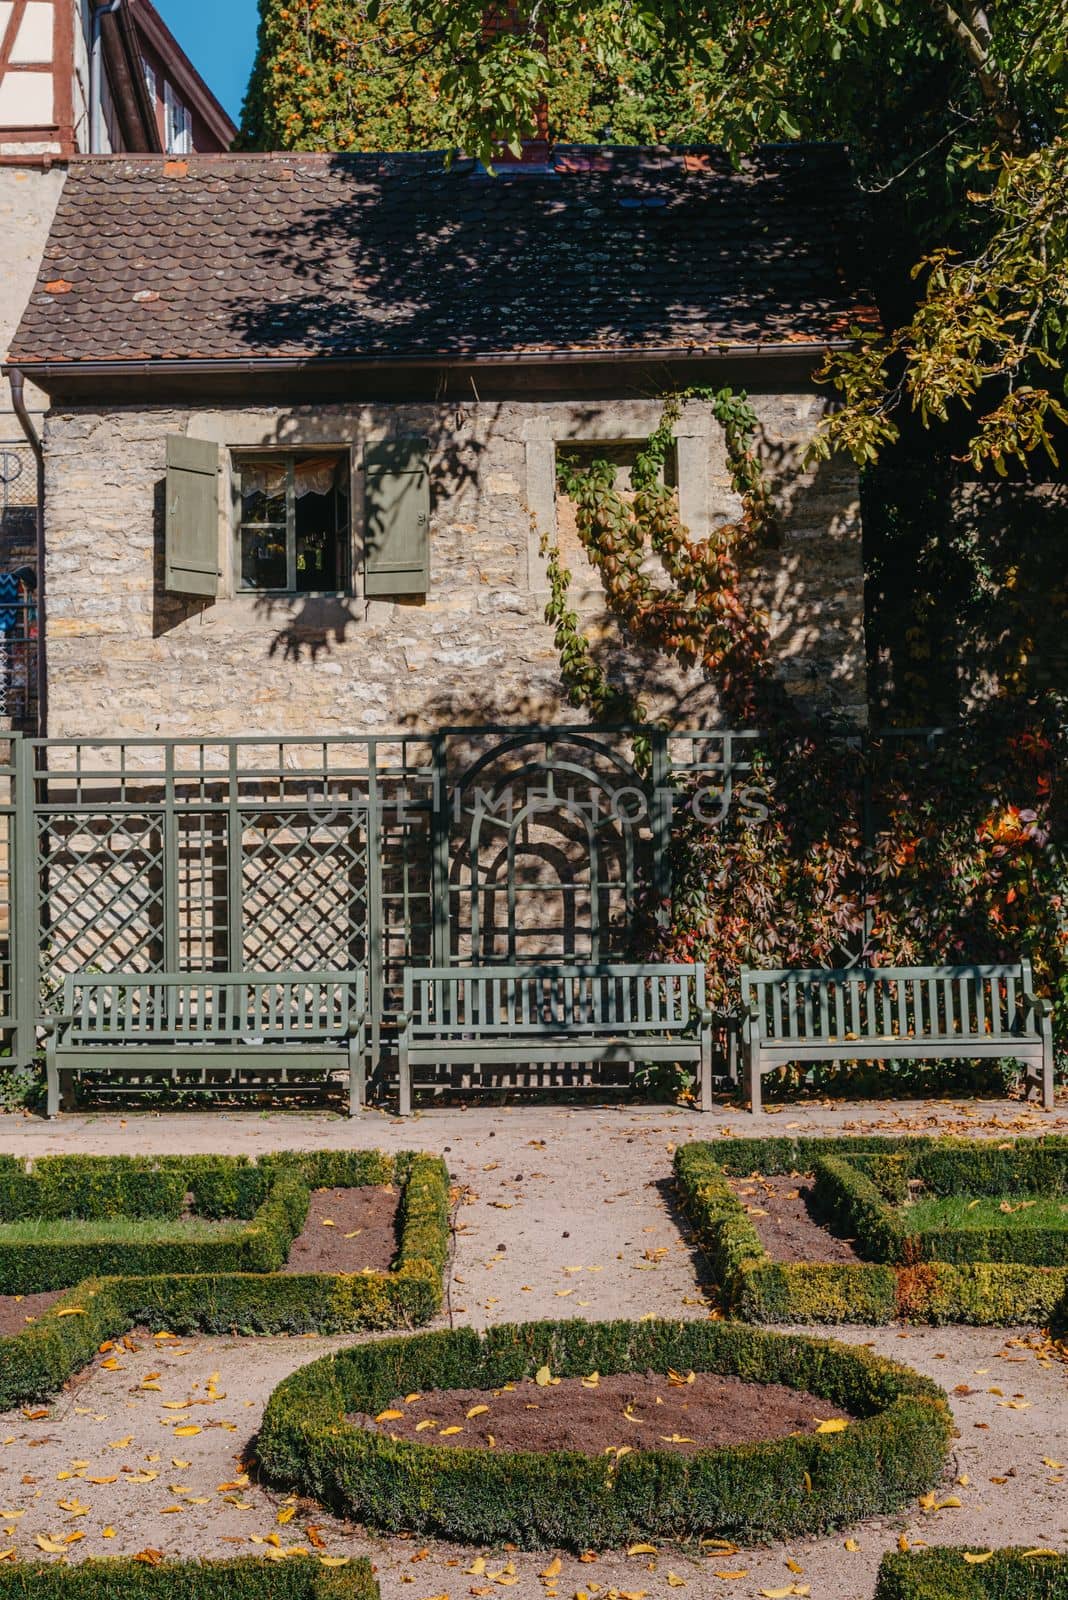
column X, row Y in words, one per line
column 860, row 1174
column 245, row 1578
column 943, row 1574
column 771, row 1490
column 40, row 1358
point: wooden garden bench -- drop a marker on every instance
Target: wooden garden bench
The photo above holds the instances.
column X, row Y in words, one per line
column 207, row 1031
column 556, row 1013
column 894, row 1014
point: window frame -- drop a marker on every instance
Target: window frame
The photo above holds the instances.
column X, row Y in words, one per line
column 179, row 141
column 343, row 530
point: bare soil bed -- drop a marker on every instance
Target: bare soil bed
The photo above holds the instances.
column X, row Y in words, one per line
column 18, row 1311
column 780, row 1209
column 348, row 1230
column 627, row 1410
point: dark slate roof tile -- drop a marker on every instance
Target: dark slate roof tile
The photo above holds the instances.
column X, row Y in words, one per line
column 394, row 256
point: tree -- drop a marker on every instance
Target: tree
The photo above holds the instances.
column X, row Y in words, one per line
column 955, row 105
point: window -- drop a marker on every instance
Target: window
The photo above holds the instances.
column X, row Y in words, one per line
column 292, row 522
column 150, row 80
column 178, row 123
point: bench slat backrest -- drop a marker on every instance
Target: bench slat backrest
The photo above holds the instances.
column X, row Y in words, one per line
column 155, row 1007
column 881, row 1003
column 554, row 998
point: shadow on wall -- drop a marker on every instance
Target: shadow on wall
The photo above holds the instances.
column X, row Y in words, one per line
column 967, row 588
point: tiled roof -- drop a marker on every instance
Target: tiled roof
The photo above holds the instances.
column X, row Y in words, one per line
column 616, row 250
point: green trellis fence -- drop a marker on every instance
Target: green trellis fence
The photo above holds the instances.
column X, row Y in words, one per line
column 262, row 854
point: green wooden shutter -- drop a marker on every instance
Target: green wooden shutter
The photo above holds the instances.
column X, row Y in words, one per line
column 397, row 525
column 192, row 546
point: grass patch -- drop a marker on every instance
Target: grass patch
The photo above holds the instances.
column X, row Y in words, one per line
column 1012, row 1212
column 115, row 1230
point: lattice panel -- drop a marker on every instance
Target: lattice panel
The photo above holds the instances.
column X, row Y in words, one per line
column 550, row 845
column 304, row 890
column 407, row 918
column 101, row 893
column 203, row 920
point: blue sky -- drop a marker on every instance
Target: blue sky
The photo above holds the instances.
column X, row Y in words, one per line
column 219, row 37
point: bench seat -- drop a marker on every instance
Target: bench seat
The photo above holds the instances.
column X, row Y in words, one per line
column 554, row 1013
column 201, row 1032
column 894, row 1014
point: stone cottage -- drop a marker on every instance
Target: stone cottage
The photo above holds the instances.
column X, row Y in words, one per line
column 305, row 414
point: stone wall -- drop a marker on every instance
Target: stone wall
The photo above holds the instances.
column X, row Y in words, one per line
column 128, row 658
column 28, row 199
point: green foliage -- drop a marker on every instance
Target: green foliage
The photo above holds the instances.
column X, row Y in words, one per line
column 699, row 617
column 954, row 106
column 944, row 1574
column 330, row 76
column 258, row 1299
column 963, row 862
column 784, row 1488
column 243, row 1579
column 855, row 1209
column 854, row 1187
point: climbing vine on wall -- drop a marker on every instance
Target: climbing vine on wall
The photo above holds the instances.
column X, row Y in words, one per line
column 699, row 616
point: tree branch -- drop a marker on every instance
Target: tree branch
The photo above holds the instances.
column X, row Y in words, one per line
column 973, row 38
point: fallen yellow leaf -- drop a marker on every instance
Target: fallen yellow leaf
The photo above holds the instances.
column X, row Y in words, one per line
column 389, row 1416
column 834, row 1425
column 333, row 1561
column 187, row 1431
column 286, row 1514
column 553, row 1570
column 641, row 1550
column 976, row 1558
column 477, row 1411
column 445, row 1432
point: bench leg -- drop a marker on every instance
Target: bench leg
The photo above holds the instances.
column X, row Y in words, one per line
column 705, row 1101
column 52, row 1079
column 1047, row 1073
column 404, row 1078
column 357, row 1073
column 752, row 1084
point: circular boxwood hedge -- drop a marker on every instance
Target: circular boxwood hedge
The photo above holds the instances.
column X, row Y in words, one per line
column 782, row 1488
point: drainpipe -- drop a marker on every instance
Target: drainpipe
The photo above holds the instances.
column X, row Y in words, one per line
column 18, row 402
column 96, row 78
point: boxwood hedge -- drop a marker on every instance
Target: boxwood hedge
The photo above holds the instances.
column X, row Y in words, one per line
column 243, row 1579
column 944, row 1574
column 39, row 1359
column 777, row 1489
column 855, row 1183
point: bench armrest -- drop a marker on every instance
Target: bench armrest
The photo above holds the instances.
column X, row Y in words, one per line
column 53, row 1024
column 1036, row 1002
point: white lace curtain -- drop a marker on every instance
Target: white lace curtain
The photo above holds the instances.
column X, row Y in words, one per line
column 314, row 476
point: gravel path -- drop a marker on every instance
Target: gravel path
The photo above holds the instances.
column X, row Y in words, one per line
column 561, row 1212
